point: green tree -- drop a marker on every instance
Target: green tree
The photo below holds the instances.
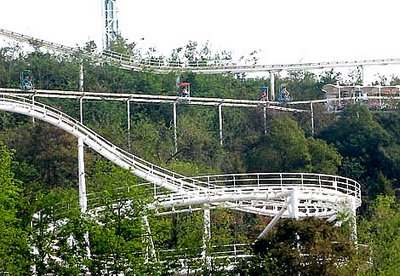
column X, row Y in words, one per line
column 286, row 149
column 14, row 252
column 379, row 238
column 118, row 235
column 364, row 145
column 299, row 247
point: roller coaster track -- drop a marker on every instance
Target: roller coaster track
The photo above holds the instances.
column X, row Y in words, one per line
column 270, row 194
column 319, row 195
column 205, row 67
column 145, row 98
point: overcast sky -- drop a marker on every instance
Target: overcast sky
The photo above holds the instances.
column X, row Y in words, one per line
column 283, row 31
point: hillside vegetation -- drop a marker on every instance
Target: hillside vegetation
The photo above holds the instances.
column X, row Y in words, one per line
column 38, row 173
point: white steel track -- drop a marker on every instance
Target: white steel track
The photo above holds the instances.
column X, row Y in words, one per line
column 209, row 67
column 146, row 98
column 318, row 195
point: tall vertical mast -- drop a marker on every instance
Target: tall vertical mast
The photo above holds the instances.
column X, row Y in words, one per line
column 110, row 30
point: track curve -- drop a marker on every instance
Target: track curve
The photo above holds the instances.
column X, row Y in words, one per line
column 320, row 195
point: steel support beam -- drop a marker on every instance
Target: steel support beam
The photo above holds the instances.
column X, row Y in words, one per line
column 175, row 128
column 220, row 124
column 81, row 110
column 33, row 102
column 272, row 84
column 273, row 221
column 206, row 235
column 294, row 204
column 128, row 123
column 81, row 77
column 265, row 119
column 81, row 173
column 353, row 219
column 312, row 119
column 146, row 228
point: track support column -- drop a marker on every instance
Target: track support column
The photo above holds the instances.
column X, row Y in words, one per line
column 206, row 235
column 312, row 118
column 265, row 119
column 272, row 84
column 81, row 77
column 82, row 189
column 81, row 109
column 82, row 183
column 294, row 205
column 33, row 102
column 146, row 228
column 220, row 123
column 175, row 129
column 128, row 122
column 353, row 214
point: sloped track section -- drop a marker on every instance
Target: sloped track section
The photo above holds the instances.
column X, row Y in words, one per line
column 265, row 194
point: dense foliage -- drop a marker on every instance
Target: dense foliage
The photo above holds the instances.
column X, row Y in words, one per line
column 38, row 173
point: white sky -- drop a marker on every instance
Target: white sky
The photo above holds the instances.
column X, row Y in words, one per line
column 284, row 31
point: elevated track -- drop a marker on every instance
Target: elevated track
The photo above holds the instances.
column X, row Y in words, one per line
column 205, row 67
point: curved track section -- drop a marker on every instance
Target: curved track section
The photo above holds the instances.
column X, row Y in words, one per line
column 317, row 195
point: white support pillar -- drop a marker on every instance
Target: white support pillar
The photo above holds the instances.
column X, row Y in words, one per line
column 82, row 190
column 128, row 112
column 33, row 102
column 312, row 119
column 353, row 218
column 272, row 84
column 81, row 109
column 175, row 129
column 273, row 221
column 81, row 172
column 265, row 119
column 207, row 233
column 294, row 205
column 81, row 77
column 146, row 228
column 220, row 123
column 380, row 96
